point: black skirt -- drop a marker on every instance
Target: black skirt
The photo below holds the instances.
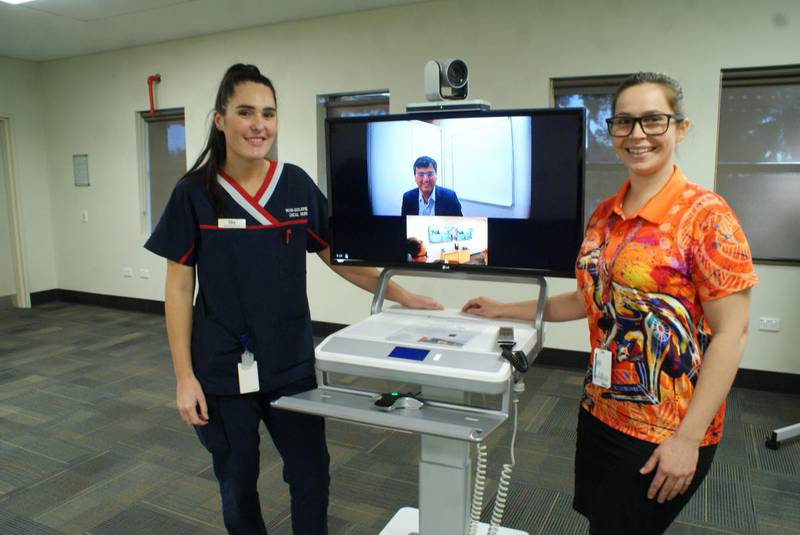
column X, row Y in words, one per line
column 609, row 490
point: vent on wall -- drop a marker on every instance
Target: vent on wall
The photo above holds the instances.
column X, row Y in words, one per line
column 80, row 169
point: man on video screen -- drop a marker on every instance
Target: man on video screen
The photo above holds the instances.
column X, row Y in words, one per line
column 428, row 198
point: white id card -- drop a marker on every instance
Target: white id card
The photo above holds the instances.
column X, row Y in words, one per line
column 248, row 374
column 601, row 368
column 231, row 223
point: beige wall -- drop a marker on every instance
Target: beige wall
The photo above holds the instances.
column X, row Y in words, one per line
column 512, row 49
column 21, row 101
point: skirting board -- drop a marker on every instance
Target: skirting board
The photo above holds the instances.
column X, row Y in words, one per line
column 108, row 301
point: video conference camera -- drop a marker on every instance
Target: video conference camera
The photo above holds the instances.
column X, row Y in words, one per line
column 446, row 79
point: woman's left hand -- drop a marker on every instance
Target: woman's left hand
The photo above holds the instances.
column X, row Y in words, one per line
column 676, row 459
column 412, row 300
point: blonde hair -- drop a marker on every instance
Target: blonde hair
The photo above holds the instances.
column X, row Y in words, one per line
column 672, row 89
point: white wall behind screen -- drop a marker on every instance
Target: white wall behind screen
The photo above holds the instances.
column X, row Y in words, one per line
column 481, row 160
column 512, row 49
column 500, row 175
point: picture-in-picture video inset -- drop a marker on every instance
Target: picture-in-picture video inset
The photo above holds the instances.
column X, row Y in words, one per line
column 472, row 190
column 447, row 240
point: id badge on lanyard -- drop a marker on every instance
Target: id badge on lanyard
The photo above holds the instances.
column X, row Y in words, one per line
column 248, row 371
column 601, row 367
column 601, row 361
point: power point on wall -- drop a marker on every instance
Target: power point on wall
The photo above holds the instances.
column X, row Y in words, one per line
column 144, row 273
column 127, row 272
column 769, row 324
column 84, row 216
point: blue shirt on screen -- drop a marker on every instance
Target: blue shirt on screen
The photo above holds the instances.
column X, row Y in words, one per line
column 428, row 208
column 443, row 202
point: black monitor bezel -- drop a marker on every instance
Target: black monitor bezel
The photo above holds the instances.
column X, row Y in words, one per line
column 579, row 113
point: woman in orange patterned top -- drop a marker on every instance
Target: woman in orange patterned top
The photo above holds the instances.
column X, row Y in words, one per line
column 664, row 276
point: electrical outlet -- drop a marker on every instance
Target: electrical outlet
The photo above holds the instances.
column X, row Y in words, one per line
column 769, row 324
column 144, row 273
column 127, row 272
column 84, row 216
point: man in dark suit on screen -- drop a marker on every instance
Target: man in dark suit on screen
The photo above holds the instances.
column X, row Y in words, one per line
column 428, row 198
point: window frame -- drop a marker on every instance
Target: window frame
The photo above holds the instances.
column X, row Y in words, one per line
column 143, row 119
column 589, row 85
column 351, row 99
column 764, row 76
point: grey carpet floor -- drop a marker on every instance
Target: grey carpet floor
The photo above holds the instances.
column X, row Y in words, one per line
column 90, row 442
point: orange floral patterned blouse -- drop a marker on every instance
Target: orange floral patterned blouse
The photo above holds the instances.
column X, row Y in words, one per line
column 682, row 248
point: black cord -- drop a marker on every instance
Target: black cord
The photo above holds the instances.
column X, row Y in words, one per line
column 518, row 359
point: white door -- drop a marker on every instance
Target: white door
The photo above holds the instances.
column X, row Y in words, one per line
column 12, row 287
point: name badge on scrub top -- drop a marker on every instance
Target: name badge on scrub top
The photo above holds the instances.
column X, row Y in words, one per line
column 248, row 373
column 601, row 368
column 231, row 223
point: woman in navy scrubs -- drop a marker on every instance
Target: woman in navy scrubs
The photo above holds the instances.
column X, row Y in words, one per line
column 243, row 224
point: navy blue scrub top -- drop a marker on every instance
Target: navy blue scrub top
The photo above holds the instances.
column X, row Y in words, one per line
column 252, row 281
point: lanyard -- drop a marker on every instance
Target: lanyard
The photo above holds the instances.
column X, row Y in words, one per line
column 605, row 271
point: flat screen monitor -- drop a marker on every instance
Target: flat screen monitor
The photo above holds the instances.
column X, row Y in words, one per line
column 489, row 191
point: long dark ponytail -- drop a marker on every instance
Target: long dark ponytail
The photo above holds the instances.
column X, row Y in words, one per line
column 214, row 153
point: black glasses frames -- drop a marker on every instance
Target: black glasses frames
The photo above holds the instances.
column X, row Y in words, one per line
column 652, row 125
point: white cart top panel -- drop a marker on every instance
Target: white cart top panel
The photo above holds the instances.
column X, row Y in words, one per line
column 423, row 343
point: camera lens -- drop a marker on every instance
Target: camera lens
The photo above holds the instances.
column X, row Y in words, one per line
column 457, row 74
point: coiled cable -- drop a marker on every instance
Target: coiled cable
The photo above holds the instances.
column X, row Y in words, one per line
column 478, row 488
column 504, row 482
